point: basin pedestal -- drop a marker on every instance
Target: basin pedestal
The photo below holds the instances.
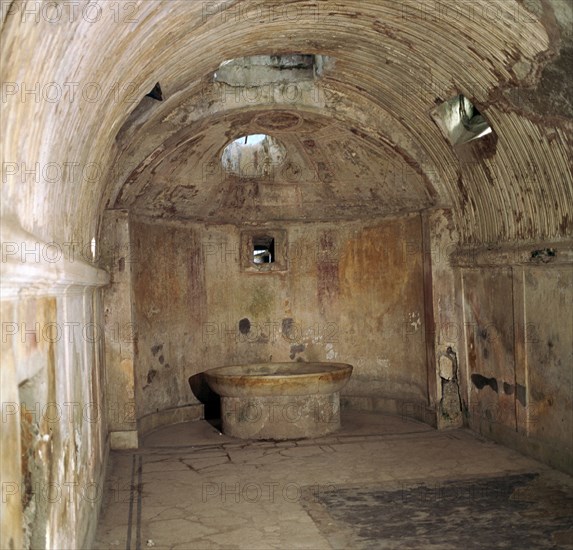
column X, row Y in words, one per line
column 275, row 417
column 280, row 400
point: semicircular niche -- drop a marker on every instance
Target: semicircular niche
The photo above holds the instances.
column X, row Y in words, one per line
column 253, row 156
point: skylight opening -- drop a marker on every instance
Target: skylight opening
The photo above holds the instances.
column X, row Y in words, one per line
column 253, row 156
column 259, row 70
column 253, row 139
column 460, row 120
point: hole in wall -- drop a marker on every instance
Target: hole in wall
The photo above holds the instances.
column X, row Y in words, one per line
column 156, row 93
column 460, row 120
column 263, row 250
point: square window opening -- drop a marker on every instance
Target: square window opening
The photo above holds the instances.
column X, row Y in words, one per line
column 263, row 250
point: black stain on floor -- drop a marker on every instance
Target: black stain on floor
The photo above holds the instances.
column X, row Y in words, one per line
column 515, row 511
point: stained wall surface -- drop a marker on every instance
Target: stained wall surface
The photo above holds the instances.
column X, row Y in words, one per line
column 350, row 294
column 54, row 416
column 81, row 138
column 518, row 350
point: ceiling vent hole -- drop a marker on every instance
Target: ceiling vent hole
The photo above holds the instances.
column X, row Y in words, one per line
column 156, row 93
column 460, row 121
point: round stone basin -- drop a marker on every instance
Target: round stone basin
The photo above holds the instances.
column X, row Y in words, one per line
column 279, row 400
column 278, row 379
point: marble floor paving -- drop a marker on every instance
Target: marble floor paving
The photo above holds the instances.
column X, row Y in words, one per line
column 380, row 482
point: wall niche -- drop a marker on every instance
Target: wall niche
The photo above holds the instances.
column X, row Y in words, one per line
column 263, row 250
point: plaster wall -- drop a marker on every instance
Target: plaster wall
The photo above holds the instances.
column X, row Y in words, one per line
column 54, row 435
column 119, row 331
column 518, row 355
column 69, row 154
column 351, row 293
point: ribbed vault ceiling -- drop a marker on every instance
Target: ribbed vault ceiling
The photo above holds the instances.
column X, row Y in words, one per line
column 365, row 144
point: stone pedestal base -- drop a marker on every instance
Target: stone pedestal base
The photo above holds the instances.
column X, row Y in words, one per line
column 280, row 417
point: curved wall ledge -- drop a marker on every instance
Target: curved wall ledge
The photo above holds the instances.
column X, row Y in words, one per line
column 167, row 417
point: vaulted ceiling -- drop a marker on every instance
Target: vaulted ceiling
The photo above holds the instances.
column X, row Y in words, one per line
column 328, row 173
column 361, row 142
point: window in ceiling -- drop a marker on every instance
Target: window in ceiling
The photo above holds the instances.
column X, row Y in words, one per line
column 259, row 70
column 253, row 156
column 460, row 120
